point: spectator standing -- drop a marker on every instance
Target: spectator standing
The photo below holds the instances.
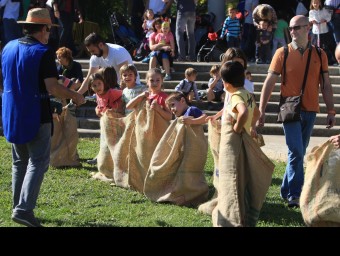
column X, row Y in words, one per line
column 185, row 22
column 264, row 38
column 105, row 55
column 11, row 14
column 160, row 8
column 321, row 36
column 334, row 5
column 279, row 34
column 136, row 10
column 26, row 94
column 232, row 26
column 249, row 33
column 67, row 11
column 298, row 133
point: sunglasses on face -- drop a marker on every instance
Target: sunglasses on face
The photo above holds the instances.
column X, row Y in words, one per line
column 296, row 28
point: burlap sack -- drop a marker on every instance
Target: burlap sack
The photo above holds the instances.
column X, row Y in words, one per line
column 111, row 130
column 140, row 142
column 149, row 129
column 64, row 141
column 244, row 178
column 320, row 196
column 176, row 172
column 121, row 153
column 214, row 138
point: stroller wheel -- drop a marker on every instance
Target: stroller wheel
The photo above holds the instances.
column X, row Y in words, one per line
column 221, row 56
column 207, row 58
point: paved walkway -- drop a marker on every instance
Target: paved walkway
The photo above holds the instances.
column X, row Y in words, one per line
column 276, row 149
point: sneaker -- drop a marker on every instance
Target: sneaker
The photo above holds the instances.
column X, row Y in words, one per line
column 167, row 77
column 26, row 219
column 92, row 161
column 259, row 61
column 294, row 202
column 146, row 59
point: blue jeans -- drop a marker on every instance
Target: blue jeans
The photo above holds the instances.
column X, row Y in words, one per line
column 297, row 139
column 30, row 162
column 186, row 22
column 335, row 22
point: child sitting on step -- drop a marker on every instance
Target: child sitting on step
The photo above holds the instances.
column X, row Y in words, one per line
column 188, row 85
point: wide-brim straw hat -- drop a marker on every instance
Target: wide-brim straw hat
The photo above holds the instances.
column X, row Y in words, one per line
column 38, row 16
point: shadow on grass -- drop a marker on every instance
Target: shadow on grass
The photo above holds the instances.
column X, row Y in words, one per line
column 276, row 181
column 163, row 224
column 281, row 215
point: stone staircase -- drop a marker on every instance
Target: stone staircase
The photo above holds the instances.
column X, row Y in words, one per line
column 88, row 122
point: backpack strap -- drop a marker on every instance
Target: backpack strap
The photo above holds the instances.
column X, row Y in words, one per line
column 285, row 56
column 318, row 50
column 285, row 48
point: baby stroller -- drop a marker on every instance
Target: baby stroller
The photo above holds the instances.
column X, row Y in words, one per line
column 213, row 48
column 123, row 34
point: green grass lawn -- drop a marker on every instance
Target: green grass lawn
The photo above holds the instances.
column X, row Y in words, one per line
column 70, row 198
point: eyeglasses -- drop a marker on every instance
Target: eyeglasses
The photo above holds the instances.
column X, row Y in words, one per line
column 296, row 28
column 48, row 29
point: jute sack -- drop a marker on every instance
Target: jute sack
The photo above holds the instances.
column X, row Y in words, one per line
column 320, row 196
column 214, row 138
column 150, row 126
column 64, row 141
column 111, row 130
column 245, row 175
column 121, row 152
column 176, row 172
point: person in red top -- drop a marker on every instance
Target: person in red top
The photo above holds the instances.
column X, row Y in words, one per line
column 107, row 98
column 155, row 95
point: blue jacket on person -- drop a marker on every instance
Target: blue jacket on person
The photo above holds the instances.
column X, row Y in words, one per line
column 21, row 99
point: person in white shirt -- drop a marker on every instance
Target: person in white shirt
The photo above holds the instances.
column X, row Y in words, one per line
column 104, row 55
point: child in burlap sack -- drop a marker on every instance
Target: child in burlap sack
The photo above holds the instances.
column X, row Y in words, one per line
column 179, row 105
column 176, row 172
column 146, row 126
column 108, row 100
column 154, row 95
column 128, row 77
column 244, row 171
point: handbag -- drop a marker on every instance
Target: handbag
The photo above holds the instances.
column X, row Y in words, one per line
column 290, row 107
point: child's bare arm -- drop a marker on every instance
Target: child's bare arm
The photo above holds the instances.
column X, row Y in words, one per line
column 198, row 120
column 135, row 101
column 214, row 117
column 256, row 116
column 241, row 117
